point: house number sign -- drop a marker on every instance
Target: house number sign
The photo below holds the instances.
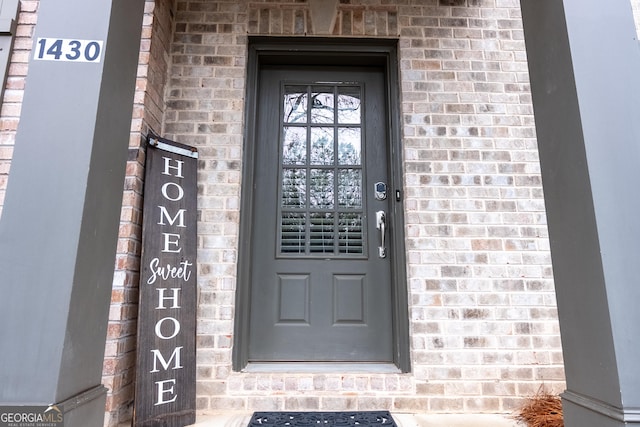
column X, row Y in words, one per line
column 74, row 50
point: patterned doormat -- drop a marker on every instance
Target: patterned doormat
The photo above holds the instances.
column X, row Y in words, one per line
column 322, row 419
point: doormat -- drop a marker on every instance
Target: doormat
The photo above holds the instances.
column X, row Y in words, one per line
column 322, row 419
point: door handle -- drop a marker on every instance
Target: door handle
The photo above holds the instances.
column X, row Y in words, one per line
column 381, row 224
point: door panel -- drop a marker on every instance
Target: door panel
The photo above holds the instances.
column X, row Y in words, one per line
column 320, row 291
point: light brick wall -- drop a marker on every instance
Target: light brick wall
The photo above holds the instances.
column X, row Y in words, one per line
column 483, row 319
column 483, row 308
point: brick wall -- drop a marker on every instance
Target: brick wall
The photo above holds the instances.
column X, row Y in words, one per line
column 480, row 277
column 14, row 89
column 482, row 305
column 120, row 349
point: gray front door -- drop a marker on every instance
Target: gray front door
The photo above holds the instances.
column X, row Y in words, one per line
column 321, row 278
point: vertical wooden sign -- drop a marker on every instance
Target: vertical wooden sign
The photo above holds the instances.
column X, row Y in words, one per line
column 165, row 391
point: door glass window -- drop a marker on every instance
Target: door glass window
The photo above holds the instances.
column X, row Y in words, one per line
column 322, row 105
column 295, row 104
column 294, row 145
column 322, row 208
column 349, row 144
column 322, row 143
column 349, row 105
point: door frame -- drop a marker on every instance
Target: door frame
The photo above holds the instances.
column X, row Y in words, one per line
column 324, row 51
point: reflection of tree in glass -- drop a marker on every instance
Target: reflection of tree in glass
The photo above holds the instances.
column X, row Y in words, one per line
column 294, row 188
column 348, row 154
column 295, row 107
column 350, row 188
column 349, row 146
column 322, row 105
column 321, row 189
column 349, row 108
column 294, row 145
column 312, row 184
column 321, row 146
column 322, row 108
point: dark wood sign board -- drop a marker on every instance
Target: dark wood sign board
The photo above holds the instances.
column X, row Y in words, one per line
column 165, row 391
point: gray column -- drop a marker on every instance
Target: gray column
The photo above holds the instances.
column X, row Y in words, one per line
column 584, row 62
column 59, row 225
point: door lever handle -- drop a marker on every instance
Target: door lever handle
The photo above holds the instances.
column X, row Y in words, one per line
column 381, row 224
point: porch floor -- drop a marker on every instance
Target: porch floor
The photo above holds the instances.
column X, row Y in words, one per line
column 235, row 419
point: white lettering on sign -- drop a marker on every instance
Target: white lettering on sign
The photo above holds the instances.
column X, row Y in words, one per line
column 180, row 271
column 174, row 299
column 177, row 193
column 178, row 167
column 176, row 328
column 157, row 357
column 171, row 243
column 164, row 214
column 172, row 218
column 74, row 50
column 162, row 391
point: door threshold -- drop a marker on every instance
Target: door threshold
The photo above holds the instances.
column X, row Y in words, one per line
column 321, row 367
